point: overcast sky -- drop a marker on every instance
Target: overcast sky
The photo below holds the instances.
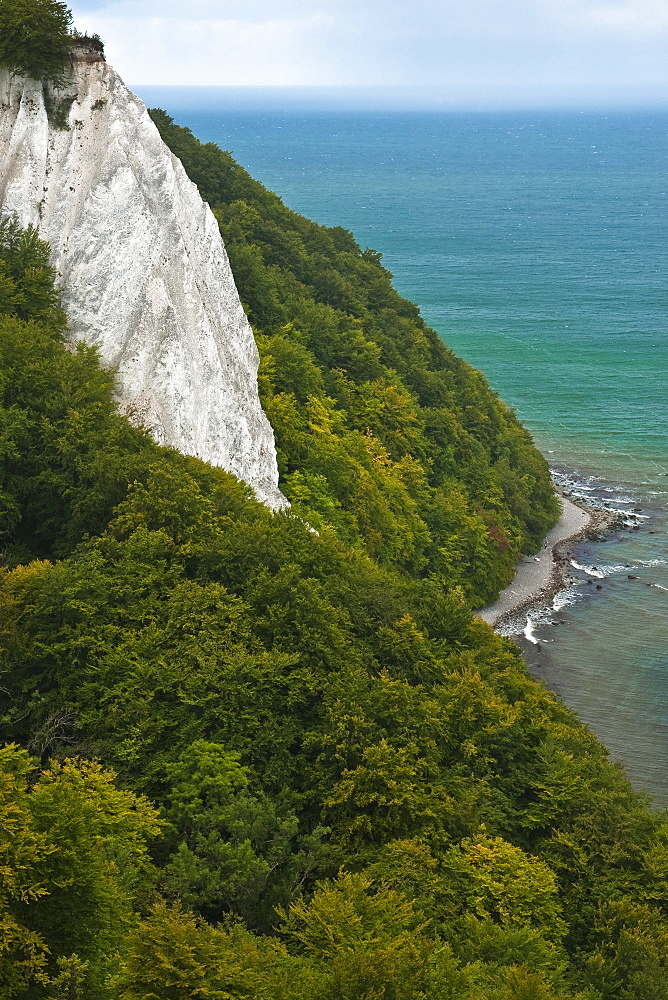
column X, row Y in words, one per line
column 460, row 51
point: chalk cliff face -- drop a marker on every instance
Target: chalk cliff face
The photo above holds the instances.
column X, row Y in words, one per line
column 143, row 267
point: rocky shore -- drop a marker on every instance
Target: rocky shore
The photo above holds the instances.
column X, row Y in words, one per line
column 539, row 577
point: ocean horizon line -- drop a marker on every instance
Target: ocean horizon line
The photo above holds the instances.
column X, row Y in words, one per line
column 461, row 100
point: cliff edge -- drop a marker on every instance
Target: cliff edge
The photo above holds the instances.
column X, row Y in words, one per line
column 144, row 271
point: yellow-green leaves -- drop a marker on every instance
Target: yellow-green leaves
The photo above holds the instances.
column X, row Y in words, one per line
column 73, row 865
column 22, row 849
column 492, row 878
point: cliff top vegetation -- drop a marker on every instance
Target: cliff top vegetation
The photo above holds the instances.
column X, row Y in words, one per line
column 36, row 39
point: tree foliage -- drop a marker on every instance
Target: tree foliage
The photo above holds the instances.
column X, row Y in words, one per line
column 34, row 38
column 245, row 759
column 27, row 277
column 382, row 432
column 74, row 864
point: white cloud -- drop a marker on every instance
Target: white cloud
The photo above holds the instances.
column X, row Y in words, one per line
column 617, row 16
column 642, row 18
column 440, row 43
column 201, row 10
column 180, row 51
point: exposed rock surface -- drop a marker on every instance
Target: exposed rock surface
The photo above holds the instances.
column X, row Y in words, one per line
column 143, row 267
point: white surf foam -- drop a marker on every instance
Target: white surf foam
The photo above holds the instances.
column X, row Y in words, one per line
column 571, row 595
column 600, row 572
column 529, row 631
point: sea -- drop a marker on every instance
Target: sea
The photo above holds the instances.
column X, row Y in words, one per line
column 536, row 244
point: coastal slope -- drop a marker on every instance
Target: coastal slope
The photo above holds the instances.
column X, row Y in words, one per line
column 144, row 270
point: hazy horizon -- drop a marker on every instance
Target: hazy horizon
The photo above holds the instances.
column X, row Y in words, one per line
column 407, row 98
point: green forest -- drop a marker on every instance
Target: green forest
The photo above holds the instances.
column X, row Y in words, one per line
column 383, row 435
column 244, row 759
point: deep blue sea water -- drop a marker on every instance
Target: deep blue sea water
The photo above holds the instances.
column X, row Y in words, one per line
column 537, row 245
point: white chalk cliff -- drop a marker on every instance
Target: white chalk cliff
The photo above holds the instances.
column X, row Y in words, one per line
column 143, row 268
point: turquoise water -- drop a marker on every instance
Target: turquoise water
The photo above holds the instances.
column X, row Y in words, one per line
column 537, row 245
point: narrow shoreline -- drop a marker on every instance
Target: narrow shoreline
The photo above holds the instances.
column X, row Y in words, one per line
column 538, row 578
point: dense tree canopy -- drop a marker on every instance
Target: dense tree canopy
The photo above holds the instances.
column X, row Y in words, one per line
column 246, row 760
column 382, row 432
column 34, row 38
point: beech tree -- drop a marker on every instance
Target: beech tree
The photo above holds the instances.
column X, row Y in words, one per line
column 27, row 288
column 74, row 867
column 34, row 38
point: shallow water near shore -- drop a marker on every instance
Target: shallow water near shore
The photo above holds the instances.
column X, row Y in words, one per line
column 601, row 642
column 537, row 246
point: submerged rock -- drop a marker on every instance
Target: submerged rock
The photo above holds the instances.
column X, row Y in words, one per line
column 142, row 264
